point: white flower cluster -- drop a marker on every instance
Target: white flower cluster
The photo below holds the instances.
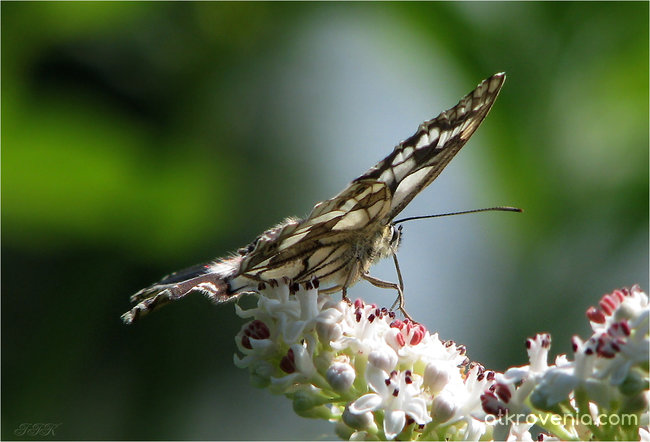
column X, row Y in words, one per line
column 602, row 394
column 381, row 378
column 376, row 376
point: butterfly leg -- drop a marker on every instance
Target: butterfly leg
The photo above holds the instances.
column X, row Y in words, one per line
column 400, row 299
column 344, row 294
column 391, row 285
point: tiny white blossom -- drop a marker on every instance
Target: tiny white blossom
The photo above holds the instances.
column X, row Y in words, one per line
column 298, row 364
column 467, row 397
column 397, row 395
column 364, row 328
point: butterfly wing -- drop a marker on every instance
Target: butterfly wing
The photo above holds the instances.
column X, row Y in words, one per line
column 322, row 245
column 209, row 279
column 327, row 242
column 418, row 160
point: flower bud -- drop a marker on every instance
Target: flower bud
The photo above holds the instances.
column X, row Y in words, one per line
column 442, row 409
column 436, row 377
column 328, row 331
column 634, row 383
column 362, row 421
column 342, row 430
column 318, row 412
column 383, row 360
column 309, row 403
column 260, row 374
column 634, row 404
column 362, row 435
column 341, row 376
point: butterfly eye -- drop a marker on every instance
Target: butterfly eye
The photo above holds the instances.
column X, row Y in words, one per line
column 396, row 234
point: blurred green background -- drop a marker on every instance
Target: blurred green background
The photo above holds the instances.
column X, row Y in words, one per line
column 140, row 138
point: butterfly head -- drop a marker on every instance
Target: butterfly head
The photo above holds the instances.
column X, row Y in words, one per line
column 390, row 241
column 383, row 244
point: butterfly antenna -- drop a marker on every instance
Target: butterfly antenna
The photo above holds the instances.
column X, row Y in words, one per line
column 487, row 209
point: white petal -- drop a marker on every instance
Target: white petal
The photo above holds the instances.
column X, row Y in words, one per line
column 474, row 430
column 376, row 379
column 394, row 423
column 516, row 374
column 367, row 402
column 280, row 385
column 291, row 331
column 261, row 346
column 304, row 363
column 250, row 313
column 308, row 303
column 554, row 387
column 417, row 409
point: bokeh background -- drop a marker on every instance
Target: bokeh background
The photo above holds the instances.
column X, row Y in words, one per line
column 140, row 138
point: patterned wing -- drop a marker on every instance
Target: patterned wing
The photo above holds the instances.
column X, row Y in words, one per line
column 209, row 279
column 322, row 245
column 418, row 160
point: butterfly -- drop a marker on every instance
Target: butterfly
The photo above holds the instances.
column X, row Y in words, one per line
column 336, row 244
